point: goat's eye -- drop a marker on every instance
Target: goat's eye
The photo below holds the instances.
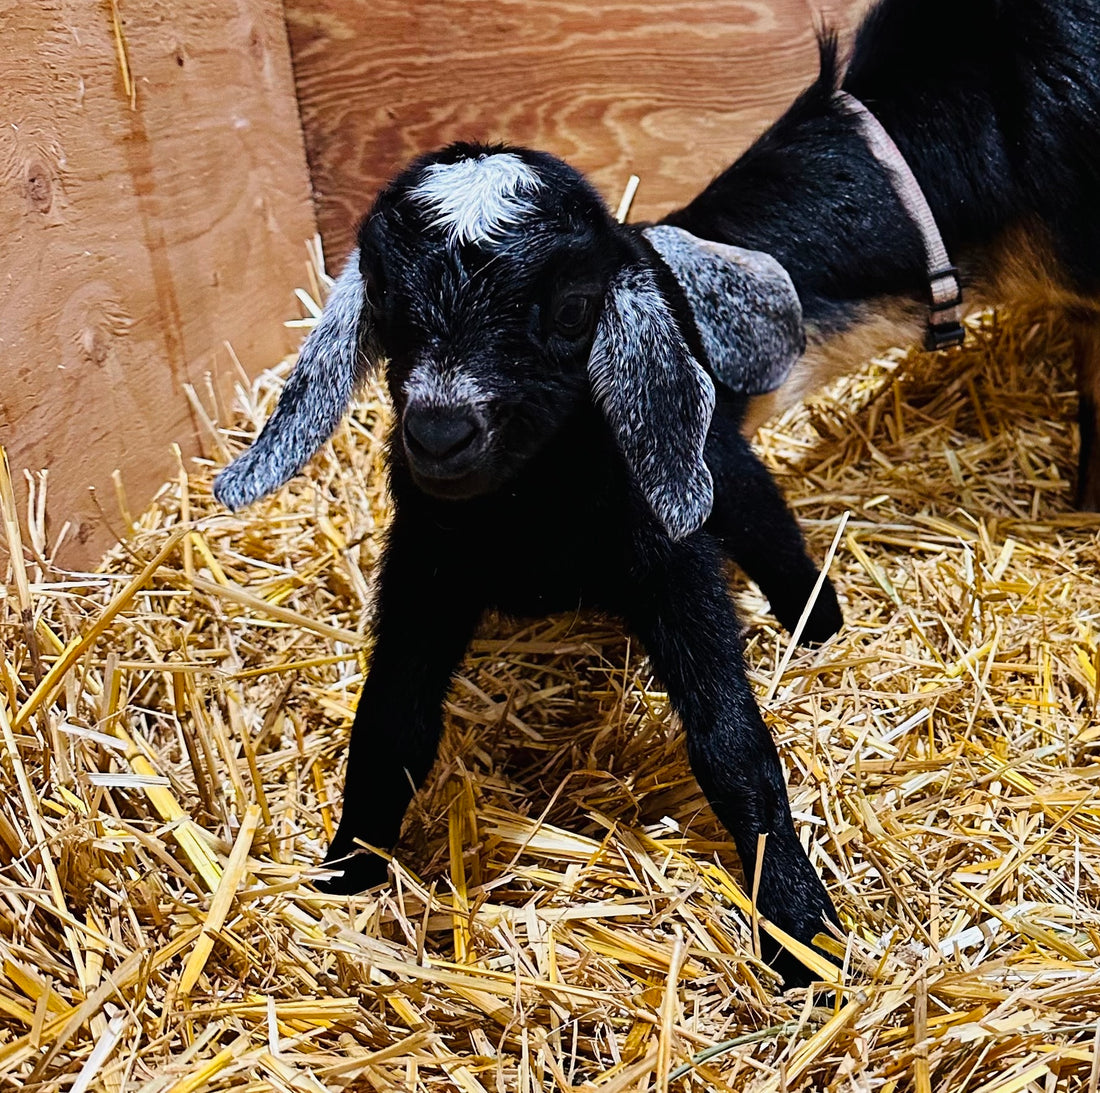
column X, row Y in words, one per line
column 572, row 316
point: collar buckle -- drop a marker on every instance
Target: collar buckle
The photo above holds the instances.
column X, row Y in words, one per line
column 945, row 297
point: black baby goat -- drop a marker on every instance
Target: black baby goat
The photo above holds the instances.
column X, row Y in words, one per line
column 559, row 441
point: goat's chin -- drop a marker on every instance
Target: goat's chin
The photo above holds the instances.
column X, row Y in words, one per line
column 465, row 487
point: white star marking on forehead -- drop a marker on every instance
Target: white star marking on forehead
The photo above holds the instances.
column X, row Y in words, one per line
column 476, row 200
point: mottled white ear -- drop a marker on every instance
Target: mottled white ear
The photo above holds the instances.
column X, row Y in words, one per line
column 656, row 397
column 744, row 305
column 332, row 360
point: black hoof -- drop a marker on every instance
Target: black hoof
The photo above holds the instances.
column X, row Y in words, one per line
column 362, row 869
column 826, row 618
column 791, row 970
column 1088, row 497
column 796, row 901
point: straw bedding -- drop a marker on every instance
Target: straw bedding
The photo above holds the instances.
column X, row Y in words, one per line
column 565, row 912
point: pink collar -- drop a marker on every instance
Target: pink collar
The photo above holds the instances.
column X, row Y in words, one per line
column 945, row 290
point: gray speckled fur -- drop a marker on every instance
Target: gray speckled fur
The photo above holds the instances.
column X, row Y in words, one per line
column 429, row 385
column 657, row 399
column 745, row 308
column 315, row 398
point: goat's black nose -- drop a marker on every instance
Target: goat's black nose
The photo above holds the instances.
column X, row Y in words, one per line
column 440, row 434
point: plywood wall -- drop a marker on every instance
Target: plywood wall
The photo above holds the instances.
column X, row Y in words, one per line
column 670, row 90
column 138, row 238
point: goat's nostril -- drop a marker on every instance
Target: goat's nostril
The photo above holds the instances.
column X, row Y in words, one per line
column 440, row 434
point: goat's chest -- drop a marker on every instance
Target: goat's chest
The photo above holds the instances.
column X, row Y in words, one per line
column 557, row 558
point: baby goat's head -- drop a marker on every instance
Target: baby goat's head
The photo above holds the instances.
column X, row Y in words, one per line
column 505, row 299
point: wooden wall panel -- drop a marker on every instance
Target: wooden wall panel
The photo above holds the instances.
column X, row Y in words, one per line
column 670, row 90
column 137, row 240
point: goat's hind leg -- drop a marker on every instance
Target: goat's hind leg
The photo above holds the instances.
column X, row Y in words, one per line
column 757, row 530
column 1085, row 329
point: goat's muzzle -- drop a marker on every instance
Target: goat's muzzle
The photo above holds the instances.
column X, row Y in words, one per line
column 444, row 446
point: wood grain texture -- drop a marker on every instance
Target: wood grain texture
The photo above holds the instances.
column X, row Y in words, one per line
column 671, row 90
column 137, row 241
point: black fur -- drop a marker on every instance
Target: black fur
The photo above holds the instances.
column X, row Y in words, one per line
column 549, row 517
column 569, row 530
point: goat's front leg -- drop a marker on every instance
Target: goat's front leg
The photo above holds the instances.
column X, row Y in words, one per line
column 426, row 615
column 682, row 611
column 758, row 531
